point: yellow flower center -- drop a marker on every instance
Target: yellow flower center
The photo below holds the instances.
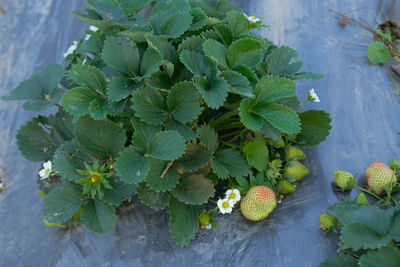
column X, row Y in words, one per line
column 253, row 18
column 225, row 205
column 232, row 195
column 95, row 178
column 46, row 171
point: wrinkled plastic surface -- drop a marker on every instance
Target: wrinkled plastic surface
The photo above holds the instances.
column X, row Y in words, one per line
column 363, row 101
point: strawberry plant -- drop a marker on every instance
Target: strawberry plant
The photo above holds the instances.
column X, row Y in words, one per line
column 370, row 234
column 167, row 107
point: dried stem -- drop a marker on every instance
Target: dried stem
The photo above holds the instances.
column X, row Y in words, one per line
column 169, row 164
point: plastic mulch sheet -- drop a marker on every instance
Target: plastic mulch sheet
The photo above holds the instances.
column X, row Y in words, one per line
column 362, row 99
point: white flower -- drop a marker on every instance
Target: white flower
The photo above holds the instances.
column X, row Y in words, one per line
column 46, row 171
column 313, row 96
column 208, row 226
column 252, row 19
column 225, row 205
column 93, row 28
column 71, row 49
column 233, row 194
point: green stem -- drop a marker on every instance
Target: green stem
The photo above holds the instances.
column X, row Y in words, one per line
column 230, row 134
column 229, row 145
column 236, row 136
column 366, row 191
column 302, row 103
column 109, row 164
column 163, row 90
column 229, row 126
column 224, row 117
column 212, row 201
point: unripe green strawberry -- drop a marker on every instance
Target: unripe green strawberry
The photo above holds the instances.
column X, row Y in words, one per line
column 293, row 153
column 362, row 199
column 344, row 179
column 327, row 221
column 296, row 169
column 205, row 219
column 379, row 176
column 286, row 187
column 258, row 203
column 279, row 143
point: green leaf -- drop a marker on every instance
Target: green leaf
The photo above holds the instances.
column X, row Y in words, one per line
column 121, row 55
column 38, row 139
column 291, row 102
column 153, row 199
column 183, row 102
column 120, row 192
column 98, row 108
column 175, row 25
column 386, row 256
column 199, row 19
column 192, row 43
column 69, row 157
column 131, row 165
column 195, row 157
column 237, row 22
column 183, row 221
column 249, row 119
column 98, row 217
column 92, row 19
column 228, row 163
column 120, row 87
column 77, row 100
column 143, row 133
column 257, row 154
column 394, row 230
column 244, row 51
column 281, row 117
column 357, row 236
column 378, row 53
column 41, row 90
column 247, row 72
column 238, row 83
column 106, row 140
column 165, row 48
column 62, row 202
column 194, row 189
column 167, row 145
column 283, row 61
column 315, row 126
column 195, row 62
column 150, row 63
column 208, row 137
column 89, row 77
column 216, row 52
column 168, row 180
column 308, row 76
column 341, row 260
column 134, row 6
column 136, row 36
column 214, row 92
column 271, row 88
column 224, row 33
column 149, row 106
column 183, row 129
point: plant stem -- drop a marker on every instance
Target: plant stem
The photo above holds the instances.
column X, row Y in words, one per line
column 238, row 135
column 169, row 164
column 230, row 145
column 109, row 164
column 366, row 191
column 224, row 117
